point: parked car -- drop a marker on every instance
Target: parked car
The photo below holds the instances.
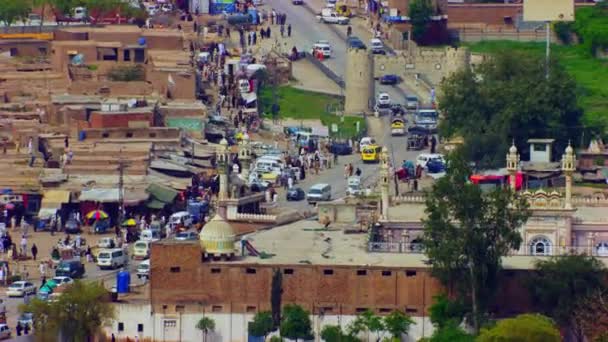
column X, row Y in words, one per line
column 297, row 2
column 5, row 331
column 26, row 318
column 383, row 100
column 73, row 269
column 143, row 269
column 63, row 280
column 20, row 289
column 424, row 158
column 389, row 79
column 295, row 194
column 72, row 226
column 324, row 47
column 184, row 236
column 377, row 47
column 341, row 148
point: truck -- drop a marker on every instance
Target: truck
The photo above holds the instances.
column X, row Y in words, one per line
column 330, row 16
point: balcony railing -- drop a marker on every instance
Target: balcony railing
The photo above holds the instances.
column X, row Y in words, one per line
column 417, row 248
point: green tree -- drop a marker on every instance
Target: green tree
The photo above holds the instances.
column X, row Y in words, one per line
column 467, row 232
column 262, row 324
column 563, row 283
column 420, row 12
column 446, row 312
column 507, row 97
column 276, row 339
column 526, row 327
column 78, row 313
column 276, row 292
column 14, row 10
column 64, row 7
column 368, row 322
column 451, row 333
column 205, row 325
column 397, row 324
column 334, row 333
column 295, row 323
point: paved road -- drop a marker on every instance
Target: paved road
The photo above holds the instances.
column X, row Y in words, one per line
column 306, row 31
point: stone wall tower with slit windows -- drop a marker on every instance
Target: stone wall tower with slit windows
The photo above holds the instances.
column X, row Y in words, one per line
column 359, row 81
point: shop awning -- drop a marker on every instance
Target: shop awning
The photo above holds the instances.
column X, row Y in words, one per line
column 155, row 204
column 46, row 212
column 161, row 193
column 54, row 198
column 111, row 195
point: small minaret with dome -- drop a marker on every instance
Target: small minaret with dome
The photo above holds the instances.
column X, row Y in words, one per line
column 568, row 168
column 513, row 166
column 384, row 182
column 222, row 169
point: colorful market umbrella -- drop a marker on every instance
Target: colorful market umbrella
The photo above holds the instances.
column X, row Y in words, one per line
column 130, row 223
column 97, row 215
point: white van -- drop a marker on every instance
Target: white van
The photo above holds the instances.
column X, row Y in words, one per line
column 319, row 192
column 424, row 158
column 141, row 249
column 180, row 218
column 111, row 258
column 268, row 165
column 274, row 158
column 354, row 186
column 366, row 141
column 149, row 235
column 143, row 269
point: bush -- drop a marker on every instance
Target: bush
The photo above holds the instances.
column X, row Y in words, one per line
column 127, row 74
column 563, row 30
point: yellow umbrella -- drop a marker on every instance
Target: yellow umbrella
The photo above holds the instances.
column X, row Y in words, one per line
column 130, row 222
column 97, row 215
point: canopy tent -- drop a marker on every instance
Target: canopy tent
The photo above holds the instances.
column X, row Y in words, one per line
column 160, row 196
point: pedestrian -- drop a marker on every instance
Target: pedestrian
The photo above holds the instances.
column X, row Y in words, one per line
column 358, row 172
column 2, row 276
column 346, row 171
column 268, row 32
column 282, row 30
column 290, row 182
column 248, row 39
column 34, row 251
column 289, row 30
column 262, row 33
column 26, row 329
column 113, row 338
column 19, row 328
column 228, row 32
column 273, row 16
column 255, row 37
column 433, row 144
column 42, row 281
column 350, row 169
column 23, row 246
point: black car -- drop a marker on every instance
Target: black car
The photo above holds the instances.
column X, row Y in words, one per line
column 297, row 2
column 295, row 194
column 398, row 110
column 341, row 148
column 72, row 227
column 73, row 269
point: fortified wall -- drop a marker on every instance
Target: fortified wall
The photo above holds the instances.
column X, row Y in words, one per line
column 431, row 63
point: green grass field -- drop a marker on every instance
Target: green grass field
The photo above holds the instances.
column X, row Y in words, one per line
column 305, row 105
column 591, row 74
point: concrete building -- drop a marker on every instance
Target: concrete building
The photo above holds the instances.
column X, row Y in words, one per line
column 359, row 81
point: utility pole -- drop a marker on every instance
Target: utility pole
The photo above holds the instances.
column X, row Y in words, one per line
column 121, row 184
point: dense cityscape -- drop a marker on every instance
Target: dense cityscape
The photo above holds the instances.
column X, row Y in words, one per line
column 304, row 170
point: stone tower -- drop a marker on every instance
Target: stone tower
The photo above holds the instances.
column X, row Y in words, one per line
column 568, row 168
column 512, row 166
column 384, row 182
column 359, row 81
column 222, row 169
column 245, row 157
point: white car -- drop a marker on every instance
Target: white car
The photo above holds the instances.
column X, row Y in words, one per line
column 5, row 332
column 186, row 236
column 366, row 141
column 324, row 47
column 62, row 281
column 424, row 158
column 376, row 44
column 20, row 289
column 383, row 99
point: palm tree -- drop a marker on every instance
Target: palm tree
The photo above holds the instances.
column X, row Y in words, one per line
column 205, row 325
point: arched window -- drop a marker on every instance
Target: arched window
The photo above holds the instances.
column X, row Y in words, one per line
column 540, row 246
column 602, row 248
